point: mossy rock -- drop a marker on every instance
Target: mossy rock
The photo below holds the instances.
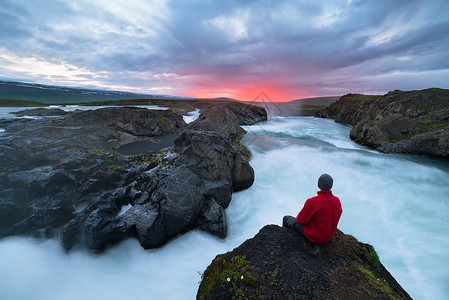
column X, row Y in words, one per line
column 285, row 265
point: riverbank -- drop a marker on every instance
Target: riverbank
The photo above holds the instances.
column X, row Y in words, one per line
column 412, row 122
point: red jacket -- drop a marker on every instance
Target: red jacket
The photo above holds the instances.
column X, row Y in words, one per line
column 319, row 217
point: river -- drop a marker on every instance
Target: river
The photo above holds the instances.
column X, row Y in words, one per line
column 397, row 203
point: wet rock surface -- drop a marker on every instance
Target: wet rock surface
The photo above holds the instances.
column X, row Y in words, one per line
column 63, row 176
column 280, row 263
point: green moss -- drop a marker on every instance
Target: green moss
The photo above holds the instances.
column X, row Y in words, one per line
column 116, row 167
column 309, row 107
column 239, row 138
column 154, row 159
column 350, row 99
column 373, row 258
column 432, row 125
column 96, row 150
column 233, row 274
column 401, row 138
column 163, row 120
column 381, row 285
column 424, row 125
column 432, row 99
column 245, row 151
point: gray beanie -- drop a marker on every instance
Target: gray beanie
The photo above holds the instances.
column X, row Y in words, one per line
column 325, row 182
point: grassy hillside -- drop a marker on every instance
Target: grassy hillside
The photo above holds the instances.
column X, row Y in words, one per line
column 350, row 99
column 301, row 107
column 66, row 95
column 19, row 103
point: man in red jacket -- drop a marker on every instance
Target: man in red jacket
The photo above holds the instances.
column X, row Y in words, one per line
column 320, row 215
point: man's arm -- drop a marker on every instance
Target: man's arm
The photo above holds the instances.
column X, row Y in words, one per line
column 306, row 214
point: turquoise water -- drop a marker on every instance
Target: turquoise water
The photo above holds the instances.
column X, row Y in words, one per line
column 397, row 203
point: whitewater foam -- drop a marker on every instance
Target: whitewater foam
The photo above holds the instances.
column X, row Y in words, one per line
column 191, row 116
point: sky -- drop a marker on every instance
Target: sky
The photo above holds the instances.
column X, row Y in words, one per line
column 228, row 48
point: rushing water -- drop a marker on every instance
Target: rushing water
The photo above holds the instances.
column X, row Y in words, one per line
column 397, row 203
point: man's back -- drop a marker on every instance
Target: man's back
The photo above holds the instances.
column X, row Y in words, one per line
column 320, row 217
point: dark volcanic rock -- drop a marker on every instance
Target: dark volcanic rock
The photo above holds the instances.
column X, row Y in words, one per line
column 218, row 119
column 58, row 141
column 164, row 202
column 413, row 122
column 215, row 158
column 66, row 173
column 190, row 186
column 247, row 114
column 41, row 112
column 280, row 263
column 49, row 166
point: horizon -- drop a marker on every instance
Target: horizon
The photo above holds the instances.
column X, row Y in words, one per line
column 205, row 49
column 262, row 97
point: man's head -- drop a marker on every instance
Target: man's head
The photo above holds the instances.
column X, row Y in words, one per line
column 325, row 182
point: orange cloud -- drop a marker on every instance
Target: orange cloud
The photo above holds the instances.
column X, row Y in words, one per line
column 199, row 83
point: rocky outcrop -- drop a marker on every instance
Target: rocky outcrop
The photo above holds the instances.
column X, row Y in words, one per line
column 51, row 167
column 64, row 175
column 413, row 122
column 247, row 114
column 280, row 263
column 190, row 187
column 344, row 109
column 40, row 112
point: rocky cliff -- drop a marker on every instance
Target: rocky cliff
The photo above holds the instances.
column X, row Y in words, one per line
column 63, row 174
column 279, row 263
column 414, row 122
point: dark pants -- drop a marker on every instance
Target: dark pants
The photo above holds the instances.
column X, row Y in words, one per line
column 290, row 222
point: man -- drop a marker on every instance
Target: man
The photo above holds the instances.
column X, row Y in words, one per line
column 318, row 219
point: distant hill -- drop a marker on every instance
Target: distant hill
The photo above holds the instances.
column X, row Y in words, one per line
column 316, row 100
column 14, row 93
column 49, row 94
column 298, row 107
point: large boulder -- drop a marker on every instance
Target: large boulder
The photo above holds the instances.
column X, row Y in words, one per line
column 158, row 205
column 218, row 119
column 246, row 114
column 215, row 158
column 280, row 263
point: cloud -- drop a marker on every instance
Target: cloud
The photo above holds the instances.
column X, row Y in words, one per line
column 36, row 66
column 233, row 48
